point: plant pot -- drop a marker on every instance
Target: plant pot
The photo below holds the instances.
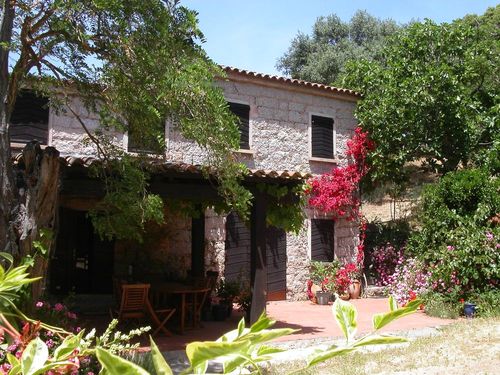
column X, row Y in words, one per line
column 355, row 289
column 469, row 309
column 323, row 298
column 346, row 296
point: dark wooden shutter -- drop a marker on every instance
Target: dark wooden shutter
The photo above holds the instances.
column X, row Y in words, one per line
column 276, row 264
column 322, row 240
column 30, row 118
column 322, row 137
column 238, row 249
column 243, row 113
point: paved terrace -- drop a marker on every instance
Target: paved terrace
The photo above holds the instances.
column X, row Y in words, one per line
column 314, row 321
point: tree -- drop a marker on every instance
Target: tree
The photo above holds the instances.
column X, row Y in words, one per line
column 434, row 100
column 322, row 56
column 134, row 63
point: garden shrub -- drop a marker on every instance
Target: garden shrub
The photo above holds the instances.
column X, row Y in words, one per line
column 439, row 306
column 457, row 237
column 409, row 280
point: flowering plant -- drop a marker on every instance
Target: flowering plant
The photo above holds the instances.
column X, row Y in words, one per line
column 409, row 281
column 385, row 260
column 342, row 281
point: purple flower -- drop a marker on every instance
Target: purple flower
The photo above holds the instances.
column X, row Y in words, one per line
column 59, row 307
column 489, row 236
column 39, row 304
column 450, row 248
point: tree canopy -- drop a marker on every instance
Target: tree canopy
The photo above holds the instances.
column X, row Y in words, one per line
column 434, row 99
column 135, row 63
column 321, row 56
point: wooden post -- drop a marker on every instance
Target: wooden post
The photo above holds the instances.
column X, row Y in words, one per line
column 259, row 257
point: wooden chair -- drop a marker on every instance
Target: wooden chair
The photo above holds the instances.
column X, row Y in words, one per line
column 134, row 299
column 159, row 304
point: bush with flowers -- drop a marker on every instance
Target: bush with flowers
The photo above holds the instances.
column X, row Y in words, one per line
column 409, row 281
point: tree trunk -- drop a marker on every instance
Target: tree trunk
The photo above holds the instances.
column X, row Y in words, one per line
column 38, row 188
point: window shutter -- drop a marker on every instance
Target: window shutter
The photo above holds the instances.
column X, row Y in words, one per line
column 322, row 240
column 322, row 137
column 30, row 118
column 243, row 113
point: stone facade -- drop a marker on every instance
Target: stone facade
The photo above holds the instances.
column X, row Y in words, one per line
column 280, row 128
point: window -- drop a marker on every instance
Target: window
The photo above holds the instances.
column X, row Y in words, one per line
column 243, row 113
column 322, row 240
column 151, row 141
column 30, row 118
column 322, row 137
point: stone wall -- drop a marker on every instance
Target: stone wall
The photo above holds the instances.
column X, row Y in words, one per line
column 280, row 118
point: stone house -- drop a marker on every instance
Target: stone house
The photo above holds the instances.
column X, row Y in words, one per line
column 290, row 130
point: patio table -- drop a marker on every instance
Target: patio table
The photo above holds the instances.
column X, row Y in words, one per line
column 160, row 290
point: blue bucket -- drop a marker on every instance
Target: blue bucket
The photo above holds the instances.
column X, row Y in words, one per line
column 469, row 309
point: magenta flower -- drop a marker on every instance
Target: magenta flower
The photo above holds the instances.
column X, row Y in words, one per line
column 59, row 307
column 450, row 248
column 39, row 304
column 489, row 236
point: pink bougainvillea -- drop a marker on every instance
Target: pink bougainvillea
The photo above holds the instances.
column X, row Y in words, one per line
column 336, row 192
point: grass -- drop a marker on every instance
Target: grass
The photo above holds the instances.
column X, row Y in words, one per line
column 468, row 346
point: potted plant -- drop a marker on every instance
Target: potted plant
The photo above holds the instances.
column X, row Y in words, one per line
column 226, row 292
column 321, row 274
column 342, row 282
column 244, row 301
column 353, row 271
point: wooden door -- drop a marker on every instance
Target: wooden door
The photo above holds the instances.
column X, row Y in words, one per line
column 82, row 263
column 238, row 249
column 276, row 264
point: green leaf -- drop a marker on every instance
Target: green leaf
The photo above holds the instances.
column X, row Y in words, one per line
column 43, row 370
column 268, row 335
column 66, row 348
column 393, row 304
column 13, row 361
column 376, row 340
column 345, row 315
column 325, row 355
column 241, row 327
column 382, row 319
column 264, row 322
column 34, row 357
column 161, row 366
column 114, row 364
column 199, row 352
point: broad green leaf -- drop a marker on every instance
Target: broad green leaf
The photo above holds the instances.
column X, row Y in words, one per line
column 15, row 370
column 322, row 356
column 264, row 322
column 34, row 356
column 376, row 340
column 53, row 365
column 66, row 348
column 345, row 315
column 381, row 320
column 393, row 304
column 114, row 364
column 266, row 350
column 241, row 326
column 199, row 352
column 13, row 361
column 268, row 335
column 161, row 366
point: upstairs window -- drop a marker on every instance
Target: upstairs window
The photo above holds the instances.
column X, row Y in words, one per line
column 242, row 111
column 322, row 240
column 30, row 118
column 148, row 141
column 322, row 137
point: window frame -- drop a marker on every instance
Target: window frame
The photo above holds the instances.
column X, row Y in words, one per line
column 334, row 136
column 141, row 151
column 250, row 133
column 310, row 239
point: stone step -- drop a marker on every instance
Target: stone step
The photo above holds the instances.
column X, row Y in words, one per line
column 375, row 291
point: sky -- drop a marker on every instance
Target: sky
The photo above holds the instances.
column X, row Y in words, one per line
column 254, row 34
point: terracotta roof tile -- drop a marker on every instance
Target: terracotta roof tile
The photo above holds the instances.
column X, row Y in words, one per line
column 292, row 81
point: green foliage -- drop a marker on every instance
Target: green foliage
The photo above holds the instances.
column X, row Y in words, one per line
column 442, row 306
column 286, row 209
column 430, row 101
column 322, row 56
column 395, row 232
column 456, row 237
column 136, row 64
column 345, row 315
column 318, row 271
column 237, row 349
column 487, row 303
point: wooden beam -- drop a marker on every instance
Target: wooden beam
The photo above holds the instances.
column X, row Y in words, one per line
column 259, row 258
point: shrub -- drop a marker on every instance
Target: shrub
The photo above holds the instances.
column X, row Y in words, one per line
column 384, row 262
column 409, row 281
column 439, row 306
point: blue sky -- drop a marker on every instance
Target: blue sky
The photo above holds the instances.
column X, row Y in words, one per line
column 253, row 34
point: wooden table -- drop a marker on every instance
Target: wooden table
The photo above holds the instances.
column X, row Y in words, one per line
column 160, row 290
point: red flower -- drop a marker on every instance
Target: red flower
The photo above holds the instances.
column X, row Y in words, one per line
column 412, row 295
column 462, row 300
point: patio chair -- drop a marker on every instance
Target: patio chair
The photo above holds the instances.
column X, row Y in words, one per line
column 133, row 302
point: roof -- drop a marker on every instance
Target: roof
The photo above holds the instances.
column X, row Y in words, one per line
column 180, row 167
column 291, row 81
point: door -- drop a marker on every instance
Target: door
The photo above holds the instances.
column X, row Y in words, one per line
column 276, row 264
column 82, row 263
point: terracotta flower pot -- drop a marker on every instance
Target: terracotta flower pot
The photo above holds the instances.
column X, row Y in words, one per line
column 355, row 289
column 346, row 296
